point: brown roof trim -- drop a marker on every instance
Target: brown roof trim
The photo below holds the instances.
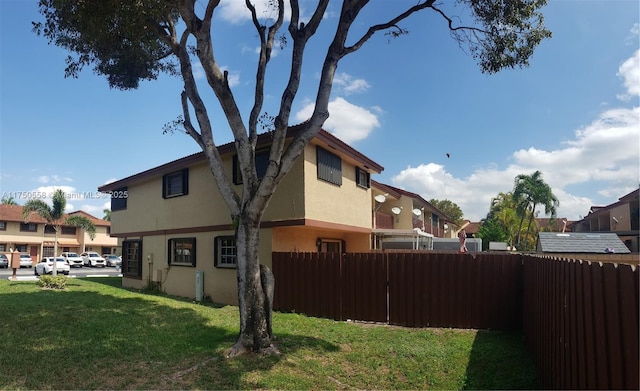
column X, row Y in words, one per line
column 263, row 139
column 382, row 187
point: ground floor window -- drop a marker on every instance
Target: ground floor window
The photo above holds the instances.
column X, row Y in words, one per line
column 47, row 252
column 182, row 251
column 21, row 248
column 330, row 245
column 132, row 258
column 225, row 252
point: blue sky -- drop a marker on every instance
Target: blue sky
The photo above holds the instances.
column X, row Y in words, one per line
column 573, row 114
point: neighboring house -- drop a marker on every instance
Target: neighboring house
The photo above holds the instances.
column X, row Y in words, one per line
column 36, row 237
column 580, row 243
column 103, row 242
column 402, row 219
column 172, row 221
column 621, row 217
column 558, row 224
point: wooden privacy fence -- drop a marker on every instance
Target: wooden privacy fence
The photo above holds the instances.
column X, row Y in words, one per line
column 581, row 323
column 413, row 289
column 580, row 319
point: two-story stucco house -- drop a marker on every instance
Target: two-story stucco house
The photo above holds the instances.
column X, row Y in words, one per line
column 36, row 237
column 621, row 217
column 402, row 219
column 174, row 226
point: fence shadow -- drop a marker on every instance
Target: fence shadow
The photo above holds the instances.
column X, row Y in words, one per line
column 500, row 360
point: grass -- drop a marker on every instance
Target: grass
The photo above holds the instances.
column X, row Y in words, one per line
column 97, row 335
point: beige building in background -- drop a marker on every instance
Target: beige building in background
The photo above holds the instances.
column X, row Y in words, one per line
column 36, row 237
column 174, row 226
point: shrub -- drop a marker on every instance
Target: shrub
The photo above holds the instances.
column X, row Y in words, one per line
column 52, row 282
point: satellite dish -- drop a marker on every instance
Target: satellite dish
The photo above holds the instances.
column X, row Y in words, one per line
column 417, row 212
column 395, row 210
column 380, row 198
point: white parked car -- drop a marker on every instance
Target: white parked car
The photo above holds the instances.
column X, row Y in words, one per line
column 112, row 260
column 45, row 266
column 93, row 259
column 73, row 259
column 25, row 260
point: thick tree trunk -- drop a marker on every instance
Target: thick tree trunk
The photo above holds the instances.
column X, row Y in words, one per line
column 255, row 295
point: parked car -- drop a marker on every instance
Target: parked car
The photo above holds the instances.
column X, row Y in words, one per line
column 25, row 260
column 4, row 261
column 45, row 266
column 93, row 259
column 112, row 260
column 73, row 259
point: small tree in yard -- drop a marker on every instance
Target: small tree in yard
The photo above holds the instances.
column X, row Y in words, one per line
column 54, row 216
column 129, row 41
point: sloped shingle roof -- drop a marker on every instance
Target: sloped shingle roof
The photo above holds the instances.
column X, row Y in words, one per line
column 580, row 242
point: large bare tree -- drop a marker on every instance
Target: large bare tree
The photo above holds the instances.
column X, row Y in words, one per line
column 129, row 41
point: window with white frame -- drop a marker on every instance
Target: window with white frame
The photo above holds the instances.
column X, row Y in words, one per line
column 225, row 252
column 182, row 252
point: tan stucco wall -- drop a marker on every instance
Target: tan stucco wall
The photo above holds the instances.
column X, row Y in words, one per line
column 623, row 214
column 220, row 284
column 148, row 211
column 346, row 204
column 102, row 239
column 295, row 239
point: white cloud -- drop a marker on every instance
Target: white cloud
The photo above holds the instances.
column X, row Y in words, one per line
column 232, row 77
column 53, row 179
column 346, row 121
column 603, row 154
column 349, row 85
column 236, row 11
column 629, row 71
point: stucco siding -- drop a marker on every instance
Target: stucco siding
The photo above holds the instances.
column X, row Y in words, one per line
column 345, row 204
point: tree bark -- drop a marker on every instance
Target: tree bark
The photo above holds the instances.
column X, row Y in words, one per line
column 255, row 294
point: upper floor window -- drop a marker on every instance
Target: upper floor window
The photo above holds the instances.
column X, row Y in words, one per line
column 363, row 178
column 225, row 252
column 175, row 184
column 28, row 227
column 49, row 229
column 3, row 225
column 182, row 251
column 68, row 230
column 262, row 162
column 119, row 199
column 329, row 166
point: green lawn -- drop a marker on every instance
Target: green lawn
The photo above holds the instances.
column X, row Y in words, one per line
column 97, row 335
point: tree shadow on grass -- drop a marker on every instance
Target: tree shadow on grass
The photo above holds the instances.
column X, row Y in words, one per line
column 500, row 360
column 109, row 339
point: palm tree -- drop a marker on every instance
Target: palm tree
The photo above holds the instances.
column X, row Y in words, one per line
column 8, row 201
column 107, row 214
column 529, row 192
column 55, row 216
column 503, row 210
